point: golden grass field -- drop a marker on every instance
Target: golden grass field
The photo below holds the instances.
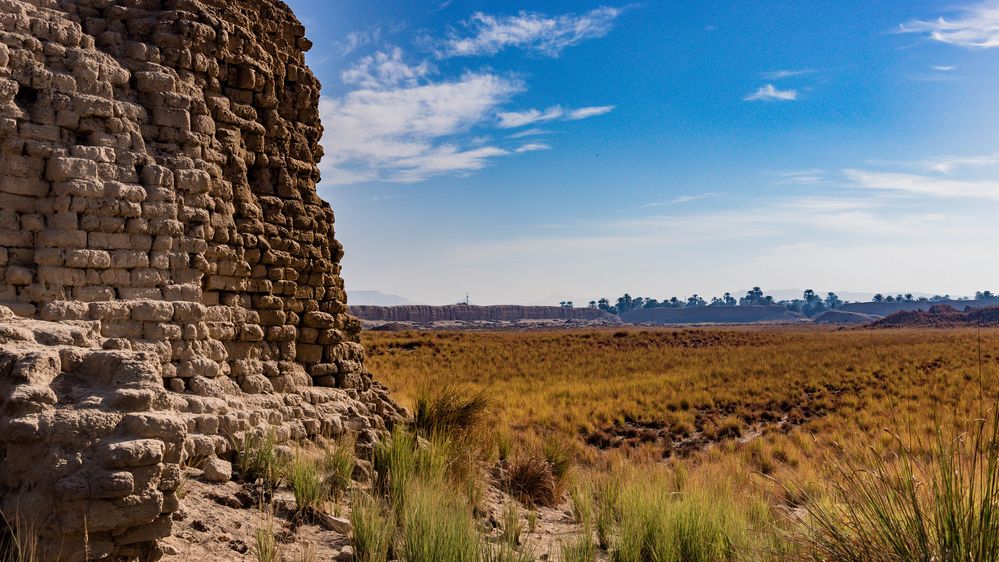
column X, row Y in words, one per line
column 652, row 388
column 759, row 417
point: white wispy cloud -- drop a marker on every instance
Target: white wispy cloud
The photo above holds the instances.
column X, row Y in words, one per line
column 401, row 131
column 548, row 35
column 948, row 164
column 809, row 176
column 586, row 112
column 532, row 147
column 779, row 74
column 529, row 133
column 942, row 67
column 771, row 93
column 678, row 200
column 357, row 39
column 975, row 27
column 512, row 119
column 384, row 69
column 778, row 223
column 922, row 185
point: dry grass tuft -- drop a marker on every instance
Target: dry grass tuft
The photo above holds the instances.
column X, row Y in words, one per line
column 530, row 479
column 451, row 409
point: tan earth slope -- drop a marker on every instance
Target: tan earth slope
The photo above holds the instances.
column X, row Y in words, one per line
column 170, row 278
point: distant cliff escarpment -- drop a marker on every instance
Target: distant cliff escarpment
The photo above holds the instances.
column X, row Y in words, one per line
column 426, row 314
column 711, row 315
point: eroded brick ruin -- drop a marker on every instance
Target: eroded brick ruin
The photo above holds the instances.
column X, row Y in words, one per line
column 170, row 275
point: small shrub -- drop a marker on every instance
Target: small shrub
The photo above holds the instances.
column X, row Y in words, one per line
column 530, row 480
column 437, row 526
column 450, row 409
column 373, row 529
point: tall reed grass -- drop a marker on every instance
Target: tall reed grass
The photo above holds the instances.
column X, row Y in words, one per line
column 904, row 506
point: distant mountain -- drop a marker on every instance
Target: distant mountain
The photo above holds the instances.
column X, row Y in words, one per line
column 375, row 298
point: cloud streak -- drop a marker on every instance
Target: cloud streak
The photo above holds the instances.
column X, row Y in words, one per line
column 543, row 34
column 532, row 147
column 780, row 74
column 976, row 27
column 921, row 185
column 770, row 93
column 513, row 119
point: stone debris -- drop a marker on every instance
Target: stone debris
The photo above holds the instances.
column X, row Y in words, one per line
column 170, row 277
column 217, row 470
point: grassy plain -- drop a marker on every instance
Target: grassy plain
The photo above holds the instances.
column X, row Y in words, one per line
column 731, row 436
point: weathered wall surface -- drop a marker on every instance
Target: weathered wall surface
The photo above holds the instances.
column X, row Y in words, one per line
column 472, row 313
column 158, row 162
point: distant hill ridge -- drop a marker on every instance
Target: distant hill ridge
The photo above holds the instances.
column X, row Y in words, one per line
column 941, row 316
column 471, row 313
column 747, row 314
column 887, row 308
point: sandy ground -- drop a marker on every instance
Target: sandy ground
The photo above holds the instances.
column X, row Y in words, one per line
column 219, row 522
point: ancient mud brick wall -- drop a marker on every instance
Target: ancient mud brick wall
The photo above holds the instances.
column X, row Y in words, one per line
column 158, row 163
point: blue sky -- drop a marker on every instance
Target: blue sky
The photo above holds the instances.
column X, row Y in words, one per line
column 523, row 151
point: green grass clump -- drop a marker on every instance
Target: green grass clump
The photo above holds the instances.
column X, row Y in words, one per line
column 657, row 524
column 505, row 552
column 580, row 550
column 561, row 455
column 437, row 526
column 606, row 506
column 257, row 458
column 395, row 462
column 373, row 529
column 583, row 508
column 265, row 546
column 338, row 469
column 306, row 480
column 512, row 526
column 905, row 506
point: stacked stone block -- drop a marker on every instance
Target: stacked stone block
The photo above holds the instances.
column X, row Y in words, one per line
column 158, row 169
